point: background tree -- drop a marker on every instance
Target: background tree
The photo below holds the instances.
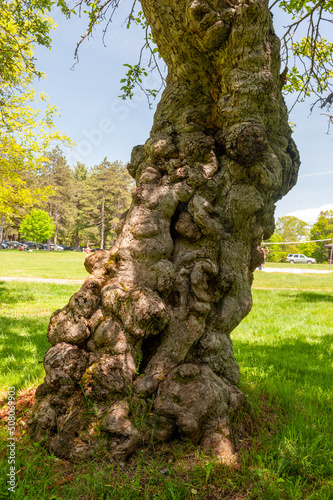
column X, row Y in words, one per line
column 157, row 311
column 37, row 226
column 58, row 175
column 108, row 196
column 25, row 132
column 322, row 229
column 19, row 186
column 277, row 253
column 80, row 175
column 288, row 228
column 291, row 228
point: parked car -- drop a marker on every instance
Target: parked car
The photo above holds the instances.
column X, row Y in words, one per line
column 57, row 247
column 29, row 244
column 13, row 244
column 4, row 245
column 298, row 258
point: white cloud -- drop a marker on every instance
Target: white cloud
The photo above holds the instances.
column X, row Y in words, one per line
column 316, row 174
column 310, row 215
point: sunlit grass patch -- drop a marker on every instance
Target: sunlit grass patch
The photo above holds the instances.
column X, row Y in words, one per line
column 41, row 264
column 284, row 348
column 322, row 282
column 25, row 309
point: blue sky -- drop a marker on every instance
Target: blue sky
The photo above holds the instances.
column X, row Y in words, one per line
column 102, row 124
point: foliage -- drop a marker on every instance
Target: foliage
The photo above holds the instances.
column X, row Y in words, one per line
column 23, row 25
column 80, row 176
column 277, row 253
column 136, row 72
column 37, row 226
column 107, row 196
column 134, row 77
column 25, row 131
column 57, row 174
column 289, row 228
column 74, row 198
column 322, row 229
column 307, row 248
column 16, row 189
column 312, row 69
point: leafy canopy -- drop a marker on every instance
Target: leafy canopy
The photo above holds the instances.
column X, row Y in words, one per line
column 25, row 132
column 291, row 228
column 322, row 229
column 38, row 226
column 305, row 49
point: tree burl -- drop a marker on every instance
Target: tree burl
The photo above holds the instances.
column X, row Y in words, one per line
column 151, row 325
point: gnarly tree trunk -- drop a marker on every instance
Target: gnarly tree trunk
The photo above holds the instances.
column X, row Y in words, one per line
column 153, row 320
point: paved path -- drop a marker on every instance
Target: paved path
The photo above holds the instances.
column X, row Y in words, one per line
column 58, row 281
column 294, row 270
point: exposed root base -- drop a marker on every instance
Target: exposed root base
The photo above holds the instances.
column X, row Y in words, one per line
column 150, row 328
column 191, row 402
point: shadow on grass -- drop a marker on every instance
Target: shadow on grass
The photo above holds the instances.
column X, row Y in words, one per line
column 315, row 296
column 296, row 360
column 13, row 296
column 23, row 343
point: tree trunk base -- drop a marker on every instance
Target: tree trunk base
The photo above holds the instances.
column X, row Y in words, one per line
column 74, row 422
column 145, row 344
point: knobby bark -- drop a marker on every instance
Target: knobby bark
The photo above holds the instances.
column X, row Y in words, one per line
column 153, row 320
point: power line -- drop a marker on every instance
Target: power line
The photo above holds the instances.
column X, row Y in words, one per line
column 294, row 242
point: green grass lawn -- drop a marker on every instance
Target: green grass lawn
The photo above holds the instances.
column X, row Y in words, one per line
column 322, row 282
column 41, row 264
column 321, row 267
column 70, row 265
column 284, row 348
column 25, row 310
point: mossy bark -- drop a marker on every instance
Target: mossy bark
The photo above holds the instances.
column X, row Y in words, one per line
column 154, row 318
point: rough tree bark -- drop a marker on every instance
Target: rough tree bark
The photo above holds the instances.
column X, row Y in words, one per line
column 153, row 320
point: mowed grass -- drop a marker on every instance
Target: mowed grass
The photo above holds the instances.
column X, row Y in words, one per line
column 70, row 265
column 25, row 310
column 41, row 264
column 284, row 348
column 323, row 282
column 287, row 265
